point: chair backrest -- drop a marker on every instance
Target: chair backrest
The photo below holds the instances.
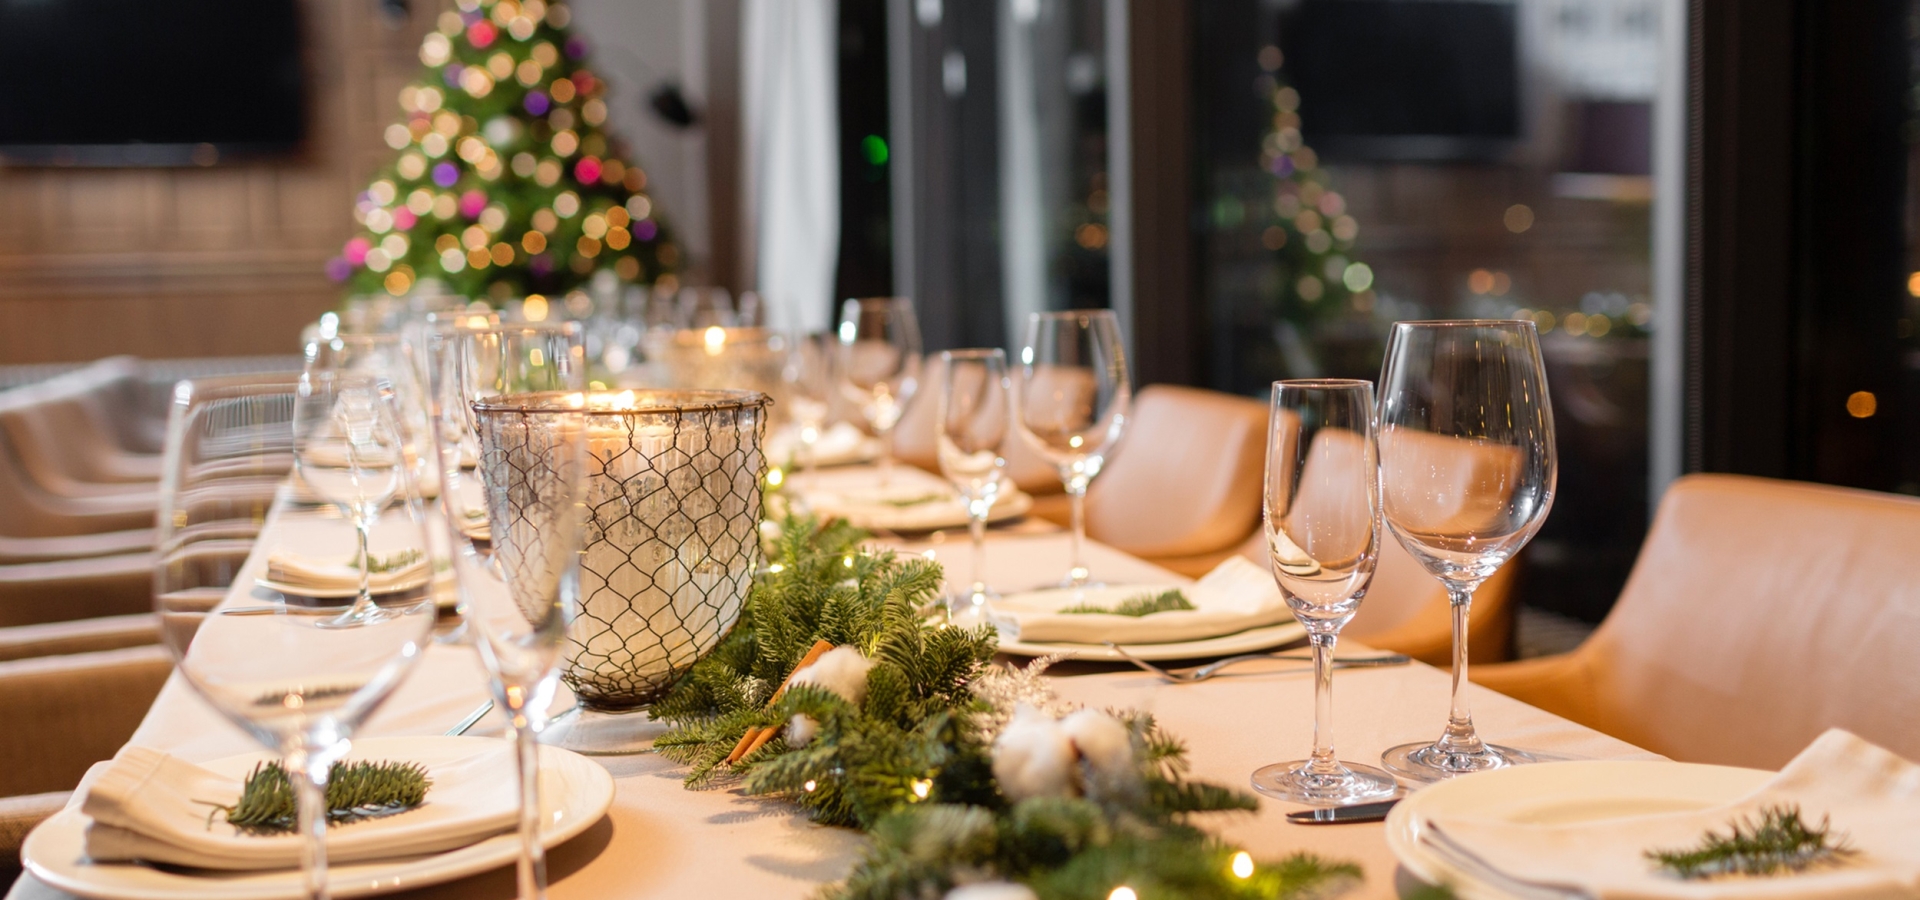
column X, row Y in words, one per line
column 69, row 712
column 916, row 441
column 1759, row 614
column 62, row 432
column 1186, row 478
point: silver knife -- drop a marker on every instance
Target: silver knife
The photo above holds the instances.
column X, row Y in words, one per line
column 1342, row 815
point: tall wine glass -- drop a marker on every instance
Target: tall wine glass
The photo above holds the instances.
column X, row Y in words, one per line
column 880, row 365
column 295, row 686
column 1071, row 403
column 808, row 374
column 973, row 420
column 386, row 355
column 1322, row 513
column 348, row 451
column 511, row 397
column 1467, row 472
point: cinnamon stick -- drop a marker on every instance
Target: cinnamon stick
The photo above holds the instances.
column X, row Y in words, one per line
column 755, row 738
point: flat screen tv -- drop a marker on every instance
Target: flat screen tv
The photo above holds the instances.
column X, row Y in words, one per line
column 149, row 82
column 1405, row 79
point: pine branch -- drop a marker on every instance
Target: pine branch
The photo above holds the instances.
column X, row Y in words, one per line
column 1774, row 842
column 355, row 791
column 1142, row 605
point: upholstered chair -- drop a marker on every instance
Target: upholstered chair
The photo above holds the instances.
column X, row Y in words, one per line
column 1759, row 614
column 61, row 432
column 916, row 440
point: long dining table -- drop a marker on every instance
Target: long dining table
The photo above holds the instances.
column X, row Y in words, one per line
column 661, row 839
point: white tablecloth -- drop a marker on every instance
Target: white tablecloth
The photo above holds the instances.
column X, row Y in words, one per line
column 661, row 840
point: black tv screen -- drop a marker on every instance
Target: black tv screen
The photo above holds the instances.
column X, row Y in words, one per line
column 1404, row 79
column 140, row 82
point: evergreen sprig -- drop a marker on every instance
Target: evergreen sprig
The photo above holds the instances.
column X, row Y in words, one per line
column 1142, row 605
column 355, row 791
column 1774, row 842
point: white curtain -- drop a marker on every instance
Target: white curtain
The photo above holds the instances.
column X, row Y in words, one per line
column 790, row 109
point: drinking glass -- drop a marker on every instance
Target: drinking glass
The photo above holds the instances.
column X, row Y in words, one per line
column 973, row 419
column 1071, row 403
column 808, row 374
column 880, row 365
column 386, row 355
column 1322, row 514
column 348, row 451
column 295, row 686
column 509, row 398
column 1467, row 471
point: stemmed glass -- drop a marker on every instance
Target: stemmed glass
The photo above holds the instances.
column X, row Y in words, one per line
column 880, row 365
column 973, row 418
column 386, row 355
column 1467, row 471
column 296, row 686
column 512, row 396
column 1322, row 513
column 808, row 375
column 1071, row 403
column 348, row 451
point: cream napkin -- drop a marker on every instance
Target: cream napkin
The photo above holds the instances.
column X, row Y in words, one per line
column 146, row 805
column 1235, row 596
column 1867, row 792
column 343, row 574
column 838, row 445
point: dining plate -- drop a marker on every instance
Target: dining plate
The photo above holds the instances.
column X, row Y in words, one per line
column 575, row 792
column 1555, row 793
column 1252, row 640
column 341, row 593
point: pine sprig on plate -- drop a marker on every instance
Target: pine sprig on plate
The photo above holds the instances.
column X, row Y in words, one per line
column 355, row 791
column 1142, row 605
column 1774, row 842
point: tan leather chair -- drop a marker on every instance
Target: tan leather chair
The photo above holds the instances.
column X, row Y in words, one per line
column 66, row 590
column 79, row 546
column 28, row 510
column 1759, row 614
column 916, row 442
column 62, row 434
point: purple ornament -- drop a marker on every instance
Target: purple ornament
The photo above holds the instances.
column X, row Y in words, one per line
column 537, row 103
column 645, row 229
column 451, row 74
column 1283, row 165
column 339, row 269
column 576, row 48
column 540, row 264
column 444, row 174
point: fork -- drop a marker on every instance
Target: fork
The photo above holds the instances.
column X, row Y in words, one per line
column 1213, row 668
column 1473, row 865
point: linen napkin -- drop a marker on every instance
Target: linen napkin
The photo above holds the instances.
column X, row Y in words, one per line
column 838, row 444
column 1235, row 596
column 1867, row 792
column 148, row 805
column 343, row 574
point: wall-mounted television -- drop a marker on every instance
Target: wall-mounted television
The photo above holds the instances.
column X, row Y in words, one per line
column 1405, row 79
column 146, row 83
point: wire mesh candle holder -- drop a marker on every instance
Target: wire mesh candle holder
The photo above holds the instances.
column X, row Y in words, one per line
column 671, row 544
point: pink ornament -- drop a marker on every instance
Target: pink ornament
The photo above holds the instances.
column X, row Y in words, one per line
column 587, row 170
column 472, row 203
column 356, row 250
column 403, row 218
column 481, row 34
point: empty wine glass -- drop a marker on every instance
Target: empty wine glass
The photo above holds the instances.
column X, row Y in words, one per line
column 511, row 397
column 1467, row 472
column 1071, row 403
column 294, row 685
column 808, row 375
column 880, row 365
column 348, row 452
column 973, row 416
column 1322, row 514
column 389, row 356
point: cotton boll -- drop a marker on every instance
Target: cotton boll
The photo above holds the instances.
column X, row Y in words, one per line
column 1104, row 741
column 1033, row 757
column 842, row 670
column 801, row 729
column 992, row 890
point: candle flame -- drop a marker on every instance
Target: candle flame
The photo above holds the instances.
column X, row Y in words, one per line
column 716, row 339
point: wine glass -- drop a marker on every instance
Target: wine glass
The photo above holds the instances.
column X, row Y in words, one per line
column 1071, row 403
column 880, row 365
column 348, row 451
column 808, row 374
column 1467, row 471
column 511, row 396
column 1322, row 513
column 973, row 418
column 390, row 356
column 295, row 686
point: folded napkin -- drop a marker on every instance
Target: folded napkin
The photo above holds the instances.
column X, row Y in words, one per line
column 147, row 805
column 343, row 574
column 839, row 444
column 1867, row 793
column 1235, row 596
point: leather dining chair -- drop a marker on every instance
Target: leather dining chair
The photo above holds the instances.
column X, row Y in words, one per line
column 916, row 440
column 61, row 432
column 66, row 590
column 1759, row 614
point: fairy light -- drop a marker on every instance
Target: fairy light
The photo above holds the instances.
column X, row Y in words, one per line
column 922, row 787
column 775, row 477
column 715, row 339
column 1242, row 865
column 1123, row 893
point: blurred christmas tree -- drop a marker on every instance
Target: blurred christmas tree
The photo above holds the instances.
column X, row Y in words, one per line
column 505, row 184
column 1309, row 229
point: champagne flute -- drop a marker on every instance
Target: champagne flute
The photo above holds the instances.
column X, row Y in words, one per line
column 1467, row 472
column 1322, row 514
column 880, row 365
column 808, row 374
column 348, row 451
column 515, row 522
column 1071, row 403
column 973, row 418
column 293, row 684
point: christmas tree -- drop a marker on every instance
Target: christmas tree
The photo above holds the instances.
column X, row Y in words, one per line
column 1309, row 229
column 504, row 184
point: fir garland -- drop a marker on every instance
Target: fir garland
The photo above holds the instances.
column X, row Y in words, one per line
column 912, row 764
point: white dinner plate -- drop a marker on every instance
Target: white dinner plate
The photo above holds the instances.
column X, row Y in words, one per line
column 342, row 593
column 575, row 792
column 1252, row 640
column 1555, row 794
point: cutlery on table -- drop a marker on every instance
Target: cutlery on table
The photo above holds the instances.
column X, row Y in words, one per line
column 1344, row 815
column 472, row 719
column 1214, row 668
column 1479, row 868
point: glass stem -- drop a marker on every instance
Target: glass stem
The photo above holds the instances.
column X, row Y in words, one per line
column 533, row 857
column 1323, row 762
column 1076, row 485
column 364, row 529
column 885, row 435
column 977, row 529
column 309, row 776
column 1460, row 736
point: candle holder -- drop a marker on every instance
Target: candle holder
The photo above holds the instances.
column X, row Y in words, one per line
column 671, row 545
